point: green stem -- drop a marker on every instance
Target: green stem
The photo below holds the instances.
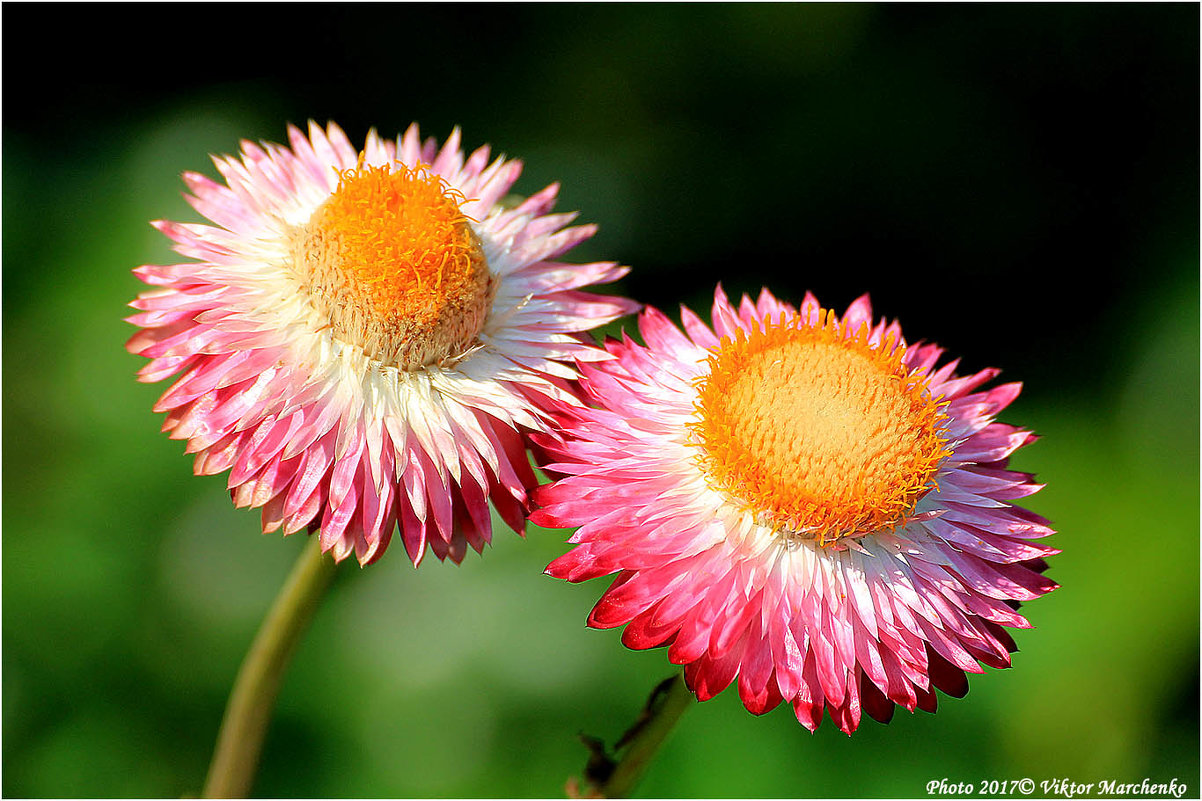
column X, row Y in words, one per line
column 252, row 699
column 638, row 747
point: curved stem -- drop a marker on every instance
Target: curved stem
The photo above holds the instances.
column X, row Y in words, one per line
column 617, row 777
column 252, row 699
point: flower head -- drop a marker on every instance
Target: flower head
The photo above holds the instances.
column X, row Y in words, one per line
column 363, row 337
column 801, row 502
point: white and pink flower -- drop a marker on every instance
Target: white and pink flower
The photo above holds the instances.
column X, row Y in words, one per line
column 798, row 503
column 364, row 337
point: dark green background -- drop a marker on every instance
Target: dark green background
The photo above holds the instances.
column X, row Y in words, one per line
column 1017, row 182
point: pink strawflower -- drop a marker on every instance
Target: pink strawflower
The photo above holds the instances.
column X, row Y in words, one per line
column 802, row 502
column 364, row 335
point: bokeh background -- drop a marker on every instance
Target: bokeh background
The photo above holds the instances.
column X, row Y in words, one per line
column 1019, row 183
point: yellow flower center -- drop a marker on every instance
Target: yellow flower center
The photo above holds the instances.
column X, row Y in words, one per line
column 815, row 431
column 395, row 266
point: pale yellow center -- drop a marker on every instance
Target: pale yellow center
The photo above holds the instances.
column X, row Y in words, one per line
column 393, row 263
column 817, row 432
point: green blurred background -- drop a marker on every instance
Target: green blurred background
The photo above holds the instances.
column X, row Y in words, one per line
column 1019, row 183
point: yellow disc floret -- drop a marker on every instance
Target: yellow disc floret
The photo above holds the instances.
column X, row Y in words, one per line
column 394, row 264
column 817, row 432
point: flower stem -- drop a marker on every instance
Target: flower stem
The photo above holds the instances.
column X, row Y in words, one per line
column 616, row 777
column 252, row 699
